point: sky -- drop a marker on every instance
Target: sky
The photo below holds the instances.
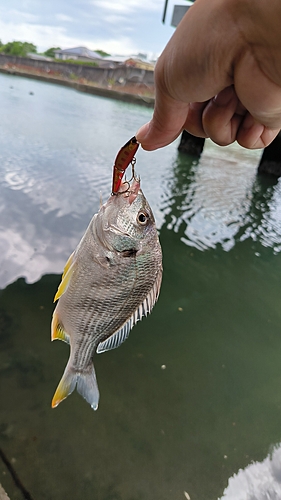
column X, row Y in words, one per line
column 118, row 27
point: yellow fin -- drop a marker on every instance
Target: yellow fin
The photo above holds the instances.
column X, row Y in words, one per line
column 67, row 273
column 65, row 387
column 58, row 332
column 68, row 264
column 86, row 385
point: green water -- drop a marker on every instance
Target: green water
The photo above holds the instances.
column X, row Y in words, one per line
column 194, row 394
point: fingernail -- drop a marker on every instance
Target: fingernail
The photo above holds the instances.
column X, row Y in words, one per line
column 142, row 132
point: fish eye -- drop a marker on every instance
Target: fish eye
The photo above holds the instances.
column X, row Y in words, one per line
column 142, row 218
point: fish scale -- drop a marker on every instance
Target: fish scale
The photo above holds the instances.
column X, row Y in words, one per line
column 109, row 283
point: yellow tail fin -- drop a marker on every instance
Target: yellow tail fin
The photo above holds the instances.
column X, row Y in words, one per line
column 86, row 386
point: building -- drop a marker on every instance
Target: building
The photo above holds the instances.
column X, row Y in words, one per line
column 38, row 57
column 78, row 53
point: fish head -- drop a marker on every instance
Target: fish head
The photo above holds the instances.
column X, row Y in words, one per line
column 126, row 220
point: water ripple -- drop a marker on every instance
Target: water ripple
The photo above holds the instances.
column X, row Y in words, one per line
column 221, row 201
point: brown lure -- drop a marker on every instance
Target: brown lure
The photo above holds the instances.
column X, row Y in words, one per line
column 122, row 161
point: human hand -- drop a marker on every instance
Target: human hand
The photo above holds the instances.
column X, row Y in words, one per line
column 220, row 76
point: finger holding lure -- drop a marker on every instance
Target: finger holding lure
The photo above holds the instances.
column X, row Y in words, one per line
column 122, row 161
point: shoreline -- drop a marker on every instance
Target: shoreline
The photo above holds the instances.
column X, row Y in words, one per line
column 131, row 97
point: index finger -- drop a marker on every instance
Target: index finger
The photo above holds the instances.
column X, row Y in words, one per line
column 166, row 124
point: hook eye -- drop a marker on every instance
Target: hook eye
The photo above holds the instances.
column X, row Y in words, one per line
column 133, row 162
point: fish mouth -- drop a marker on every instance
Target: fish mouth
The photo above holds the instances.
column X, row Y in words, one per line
column 130, row 191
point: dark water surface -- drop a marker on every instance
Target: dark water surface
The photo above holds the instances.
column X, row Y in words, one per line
column 191, row 403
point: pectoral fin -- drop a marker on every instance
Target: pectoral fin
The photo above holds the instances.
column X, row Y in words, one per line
column 67, row 273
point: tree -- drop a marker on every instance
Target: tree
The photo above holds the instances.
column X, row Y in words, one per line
column 102, row 53
column 51, row 52
column 17, row 48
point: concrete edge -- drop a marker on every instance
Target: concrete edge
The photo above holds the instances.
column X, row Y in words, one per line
column 3, row 494
column 102, row 92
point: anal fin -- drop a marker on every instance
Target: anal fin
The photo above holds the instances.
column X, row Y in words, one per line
column 57, row 330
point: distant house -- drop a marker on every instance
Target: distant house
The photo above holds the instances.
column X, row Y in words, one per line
column 110, row 62
column 38, row 57
column 78, row 53
column 138, row 63
column 133, row 61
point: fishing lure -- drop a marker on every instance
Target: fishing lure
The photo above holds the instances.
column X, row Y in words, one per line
column 122, row 161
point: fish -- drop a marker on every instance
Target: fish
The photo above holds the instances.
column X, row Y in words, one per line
column 110, row 282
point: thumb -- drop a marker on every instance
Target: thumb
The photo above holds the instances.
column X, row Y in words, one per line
column 166, row 124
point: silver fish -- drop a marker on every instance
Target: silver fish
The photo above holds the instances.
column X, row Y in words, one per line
column 109, row 283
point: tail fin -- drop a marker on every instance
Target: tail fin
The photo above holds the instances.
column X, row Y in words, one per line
column 86, row 386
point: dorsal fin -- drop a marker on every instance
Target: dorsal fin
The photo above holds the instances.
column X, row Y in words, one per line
column 117, row 338
column 67, row 273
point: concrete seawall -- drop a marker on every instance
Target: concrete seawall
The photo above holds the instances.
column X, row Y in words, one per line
column 124, row 83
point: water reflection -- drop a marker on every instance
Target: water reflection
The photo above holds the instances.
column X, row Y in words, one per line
column 41, row 216
column 258, row 481
column 264, row 216
column 219, row 200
